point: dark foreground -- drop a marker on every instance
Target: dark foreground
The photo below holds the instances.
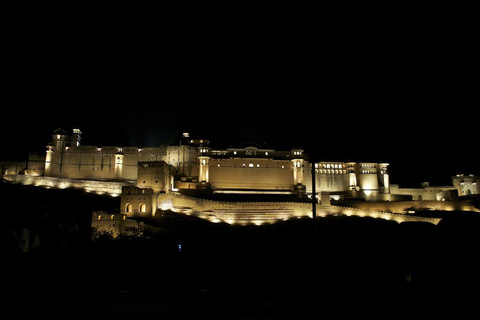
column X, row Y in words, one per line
column 354, row 268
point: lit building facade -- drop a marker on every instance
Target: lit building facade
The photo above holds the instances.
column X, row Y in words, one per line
column 67, row 158
column 186, row 177
column 193, row 165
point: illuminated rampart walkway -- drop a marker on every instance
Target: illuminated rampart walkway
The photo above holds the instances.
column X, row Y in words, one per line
column 265, row 212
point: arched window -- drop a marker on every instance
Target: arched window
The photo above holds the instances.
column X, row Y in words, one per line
column 143, row 207
column 128, row 207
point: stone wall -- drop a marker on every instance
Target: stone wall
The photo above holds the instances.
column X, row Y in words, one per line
column 265, row 212
column 404, row 206
column 113, row 188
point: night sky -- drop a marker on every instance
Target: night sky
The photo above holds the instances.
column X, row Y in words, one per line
column 398, row 87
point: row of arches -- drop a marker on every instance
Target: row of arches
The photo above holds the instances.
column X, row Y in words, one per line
column 141, row 208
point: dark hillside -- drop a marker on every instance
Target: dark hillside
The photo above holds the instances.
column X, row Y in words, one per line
column 186, row 266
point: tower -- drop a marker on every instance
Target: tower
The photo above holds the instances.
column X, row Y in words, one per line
column 48, row 161
column 119, row 163
column 297, row 166
column 59, row 140
column 297, row 163
column 384, row 178
column 76, row 138
column 352, row 176
column 203, row 159
column 55, row 152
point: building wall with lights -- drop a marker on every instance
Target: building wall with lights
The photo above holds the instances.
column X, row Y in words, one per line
column 114, row 224
column 466, row 184
column 197, row 166
column 234, row 170
column 67, row 158
column 138, row 202
column 193, row 165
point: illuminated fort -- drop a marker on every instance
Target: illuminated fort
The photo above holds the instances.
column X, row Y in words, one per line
column 187, row 177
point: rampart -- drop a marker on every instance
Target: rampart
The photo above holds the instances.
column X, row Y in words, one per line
column 414, row 205
column 424, row 193
column 115, row 224
column 267, row 212
column 113, row 188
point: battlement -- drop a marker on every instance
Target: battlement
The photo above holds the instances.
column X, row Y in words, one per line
column 113, row 224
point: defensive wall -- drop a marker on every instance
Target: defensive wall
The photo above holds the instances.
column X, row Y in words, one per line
column 425, row 193
column 414, row 205
column 115, row 224
column 265, row 212
column 113, row 188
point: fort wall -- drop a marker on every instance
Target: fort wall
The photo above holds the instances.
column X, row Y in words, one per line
column 265, row 212
column 90, row 162
column 113, row 188
column 12, row 167
column 413, row 205
column 425, row 193
column 115, row 224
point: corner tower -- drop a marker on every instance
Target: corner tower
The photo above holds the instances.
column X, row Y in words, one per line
column 119, row 163
column 203, row 165
column 297, row 167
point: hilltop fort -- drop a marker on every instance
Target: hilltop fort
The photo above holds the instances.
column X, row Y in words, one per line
column 234, row 185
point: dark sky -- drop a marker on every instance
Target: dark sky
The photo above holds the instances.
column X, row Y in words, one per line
column 398, row 87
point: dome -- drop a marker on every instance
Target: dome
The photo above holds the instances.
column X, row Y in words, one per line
column 59, row 131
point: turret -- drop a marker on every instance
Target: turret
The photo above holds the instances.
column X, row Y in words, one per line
column 352, row 176
column 297, row 166
column 368, row 179
column 203, row 159
column 76, row 138
column 119, row 163
column 48, row 161
column 384, row 177
column 59, row 140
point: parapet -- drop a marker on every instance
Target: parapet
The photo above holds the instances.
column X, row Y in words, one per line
column 136, row 191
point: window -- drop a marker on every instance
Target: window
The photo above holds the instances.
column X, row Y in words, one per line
column 142, row 207
column 128, row 207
